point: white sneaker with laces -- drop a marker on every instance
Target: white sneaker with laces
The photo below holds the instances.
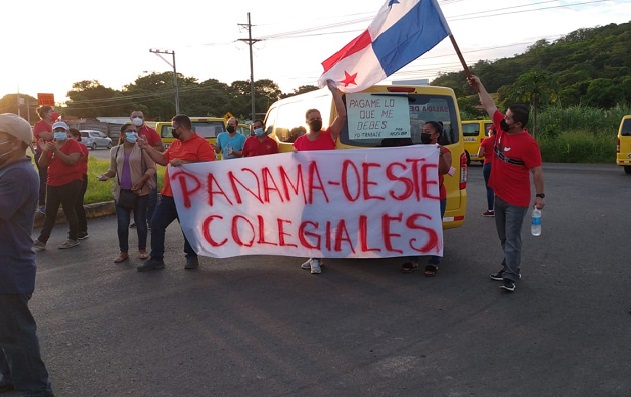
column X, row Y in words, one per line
column 306, row 265
column 315, row 266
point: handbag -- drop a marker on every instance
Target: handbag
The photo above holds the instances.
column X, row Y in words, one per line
column 127, row 199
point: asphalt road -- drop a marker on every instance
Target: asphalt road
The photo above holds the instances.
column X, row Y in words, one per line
column 261, row 326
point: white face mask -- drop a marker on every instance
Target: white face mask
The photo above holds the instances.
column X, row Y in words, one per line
column 60, row 136
column 137, row 121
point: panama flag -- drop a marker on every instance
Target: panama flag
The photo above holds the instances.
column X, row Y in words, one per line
column 402, row 31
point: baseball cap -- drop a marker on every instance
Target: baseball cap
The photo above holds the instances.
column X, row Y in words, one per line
column 60, row 124
column 16, row 126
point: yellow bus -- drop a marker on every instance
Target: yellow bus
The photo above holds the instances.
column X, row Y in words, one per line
column 474, row 132
column 623, row 147
column 285, row 121
column 207, row 127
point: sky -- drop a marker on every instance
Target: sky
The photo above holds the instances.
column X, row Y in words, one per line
column 49, row 46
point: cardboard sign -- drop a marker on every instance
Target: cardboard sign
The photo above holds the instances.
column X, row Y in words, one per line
column 45, row 99
column 374, row 116
column 379, row 202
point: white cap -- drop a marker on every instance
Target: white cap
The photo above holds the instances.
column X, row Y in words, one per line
column 60, row 124
column 16, row 126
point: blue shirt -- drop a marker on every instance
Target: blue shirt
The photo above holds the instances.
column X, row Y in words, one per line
column 226, row 144
column 19, row 189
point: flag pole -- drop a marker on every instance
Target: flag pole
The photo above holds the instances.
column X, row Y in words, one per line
column 467, row 72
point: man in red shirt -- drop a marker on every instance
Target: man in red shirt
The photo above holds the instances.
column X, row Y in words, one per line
column 153, row 139
column 259, row 144
column 188, row 147
column 517, row 155
column 319, row 139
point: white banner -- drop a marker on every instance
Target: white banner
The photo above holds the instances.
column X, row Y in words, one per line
column 363, row 203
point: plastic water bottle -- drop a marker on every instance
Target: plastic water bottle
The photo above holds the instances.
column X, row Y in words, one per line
column 535, row 226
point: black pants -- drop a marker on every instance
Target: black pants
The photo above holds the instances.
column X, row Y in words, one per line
column 66, row 195
column 79, row 209
column 43, row 175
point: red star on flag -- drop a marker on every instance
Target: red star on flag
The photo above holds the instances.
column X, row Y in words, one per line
column 349, row 79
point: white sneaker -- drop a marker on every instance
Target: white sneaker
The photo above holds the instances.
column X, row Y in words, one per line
column 306, row 265
column 68, row 244
column 315, row 266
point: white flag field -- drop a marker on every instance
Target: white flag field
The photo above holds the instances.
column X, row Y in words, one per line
column 364, row 203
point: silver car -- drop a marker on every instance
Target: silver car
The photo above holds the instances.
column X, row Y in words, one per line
column 95, row 139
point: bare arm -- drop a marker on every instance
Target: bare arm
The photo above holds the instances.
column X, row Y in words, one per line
column 338, row 123
column 485, row 99
column 444, row 162
column 537, row 174
column 155, row 155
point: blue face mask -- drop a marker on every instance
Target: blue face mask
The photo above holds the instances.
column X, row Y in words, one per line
column 259, row 132
column 131, row 137
column 60, row 136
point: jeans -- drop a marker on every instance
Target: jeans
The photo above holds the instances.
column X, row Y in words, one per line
column 153, row 199
column 66, row 195
column 79, row 209
column 124, row 215
column 508, row 221
column 20, row 362
column 43, row 175
column 490, row 194
column 433, row 260
column 164, row 214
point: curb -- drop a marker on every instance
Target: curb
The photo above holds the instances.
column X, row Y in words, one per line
column 94, row 210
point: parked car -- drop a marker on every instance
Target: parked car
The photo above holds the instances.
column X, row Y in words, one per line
column 95, row 139
column 623, row 148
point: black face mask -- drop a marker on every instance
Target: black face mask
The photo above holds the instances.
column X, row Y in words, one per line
column 175, row 134
column 426, row 139
column 316, row 125
column 504, row 126
column 230, row 129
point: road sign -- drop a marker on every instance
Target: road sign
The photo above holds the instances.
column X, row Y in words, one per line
column 46, row 99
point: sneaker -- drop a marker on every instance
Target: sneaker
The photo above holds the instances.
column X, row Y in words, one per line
column 69, row 243
column 315, row 266
column 83, row 235
column 306, row 265
column 508, row 285
column 150, row 264
column 191, row 263
column 38, row 245
column 488, row 213
column 42, row 209
column 499, row 276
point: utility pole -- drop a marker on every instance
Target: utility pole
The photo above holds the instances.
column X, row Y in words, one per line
column 177, row 92
column 251, row 42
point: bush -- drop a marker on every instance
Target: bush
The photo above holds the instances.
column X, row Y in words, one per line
column 578, row 147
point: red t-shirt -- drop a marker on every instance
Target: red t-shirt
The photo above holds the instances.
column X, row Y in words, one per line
column 39, row 127
column 83, row 161
column 253, row 147
column 150, row 135
column 441, row 180
column 488, row 144
column 323, row 142
column 511, row 182
column 194, row 149
column 60, row 173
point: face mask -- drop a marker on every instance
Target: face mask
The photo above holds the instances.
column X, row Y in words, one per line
column 316, row 125
column 3, row 155
column 231, row 129
column 175, row 134
column 131, row 137
column 259, row 132
column 137, row 121
column 60, row 136
column 54, row 116
column 504, row 126
column 426, row 139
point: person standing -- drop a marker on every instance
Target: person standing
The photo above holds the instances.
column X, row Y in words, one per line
column 486, row 151
column 260, row 143
column 321, row 139
column 82, row 220
column 21, row 365
column 517, row 155
column 43, row 130
column 188, row 147
column 430, row 135
column 153, row 139
column 230, row 144
column 63, row 185
column 134, row 170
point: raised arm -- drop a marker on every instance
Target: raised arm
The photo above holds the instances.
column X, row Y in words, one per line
column 340, row 109
column 485, row 99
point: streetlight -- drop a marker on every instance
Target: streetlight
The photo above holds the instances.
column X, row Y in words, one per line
column 177, row 93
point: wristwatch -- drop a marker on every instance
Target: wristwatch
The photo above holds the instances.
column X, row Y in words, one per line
column 540, row 195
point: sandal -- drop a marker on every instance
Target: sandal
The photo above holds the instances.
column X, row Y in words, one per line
column 431, row 270
column 123, row 256
column 409, row 267
column 142, row 254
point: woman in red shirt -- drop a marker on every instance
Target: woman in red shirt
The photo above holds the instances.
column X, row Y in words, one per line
column 75, row 134
column 486, row 151
column 43, row 132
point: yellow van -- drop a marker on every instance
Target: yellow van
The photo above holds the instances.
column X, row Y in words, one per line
column 285, row 121
column 474, row 132
column 623, row 149
column 207, row 127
